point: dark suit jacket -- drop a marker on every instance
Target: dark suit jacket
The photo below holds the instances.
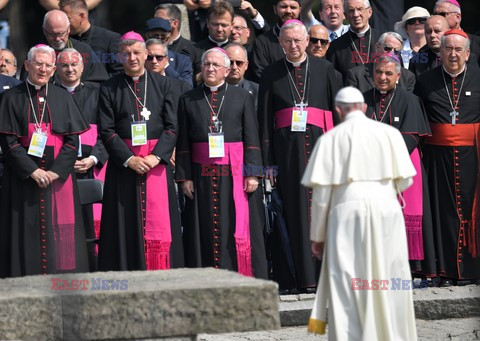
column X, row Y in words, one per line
column 105, row 45
column 361, row 77
column 252, row 88
column 7, row 82
column 343, row 56
column 187, row 47
column 180, row 67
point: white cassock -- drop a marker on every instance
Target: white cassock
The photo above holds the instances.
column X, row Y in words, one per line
column 356, row 171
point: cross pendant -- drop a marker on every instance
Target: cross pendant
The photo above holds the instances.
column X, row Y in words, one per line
column 454, row 115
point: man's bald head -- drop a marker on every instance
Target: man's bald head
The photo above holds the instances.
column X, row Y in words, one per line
column 318, row 44
column 435, row 28
column 56, row 28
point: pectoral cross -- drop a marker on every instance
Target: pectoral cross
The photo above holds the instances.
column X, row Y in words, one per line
column 454, row 115
column 145, row 114
column 302, row 106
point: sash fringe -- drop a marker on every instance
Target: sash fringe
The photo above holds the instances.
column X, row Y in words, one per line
column 64, row 247
column 244, row 258
column 414, row 237
column 157, row 255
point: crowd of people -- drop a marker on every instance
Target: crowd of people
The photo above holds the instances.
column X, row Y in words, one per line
column 194, row 139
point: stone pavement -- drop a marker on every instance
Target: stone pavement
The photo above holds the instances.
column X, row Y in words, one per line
column 431, row 330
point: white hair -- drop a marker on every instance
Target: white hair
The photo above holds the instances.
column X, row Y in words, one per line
column 40, row 49
column 47, row 16
column 455, row 8
column 443, row 41
column 366, row 3
column 214, row 49
column 292, row 25
column 395, row 35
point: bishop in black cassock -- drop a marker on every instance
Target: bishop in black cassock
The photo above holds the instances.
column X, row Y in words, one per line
column 451, row 95
column 223, row 225
column 391, row 104
column 42, row 228
column 140, row 227
column 92, row 155
column 295, row 82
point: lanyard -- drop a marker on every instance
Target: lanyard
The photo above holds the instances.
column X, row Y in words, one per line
column 215, row 115
column 386, row 109
column 301, row 98
column 135, row 95
column 38, row 125
column 454, row 105
column 356, row 50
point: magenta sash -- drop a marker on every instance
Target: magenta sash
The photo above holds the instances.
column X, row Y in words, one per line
column 234, row 158
column 63, row 208
column 157, row 232
column 413, row 211
column 89, row 138
column 317, row 117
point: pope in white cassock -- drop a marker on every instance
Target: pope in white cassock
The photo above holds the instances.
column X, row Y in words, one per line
column 357, row 171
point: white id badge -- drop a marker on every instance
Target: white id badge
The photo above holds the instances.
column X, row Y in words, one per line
column 216, row 145
column 139, row 133
column 37, row 144
column 299, row 119
column 79, row 146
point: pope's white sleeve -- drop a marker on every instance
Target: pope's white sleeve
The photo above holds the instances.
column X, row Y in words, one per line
column 321, row 196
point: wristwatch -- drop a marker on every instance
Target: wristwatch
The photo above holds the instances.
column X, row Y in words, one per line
column 158, row 158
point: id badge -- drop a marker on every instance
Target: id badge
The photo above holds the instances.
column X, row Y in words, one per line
column 216, row 145
column 139, row 133
column 299, row 119
column 37, row 144
column 79, row 146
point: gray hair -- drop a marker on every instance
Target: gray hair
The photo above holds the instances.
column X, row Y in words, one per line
column 173, row 12
column 14, row 58
column 237, row 45
column 40, row 49
column 217, row 50
column 155, row 41
column 70, row 50
column 455, row 8
column 388, row 59
column 292, row 25
column 395, row 35
column 129, row 42
column 366, row 3
column 443, row 41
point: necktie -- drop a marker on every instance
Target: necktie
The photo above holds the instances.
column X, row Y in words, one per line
column 333, row 36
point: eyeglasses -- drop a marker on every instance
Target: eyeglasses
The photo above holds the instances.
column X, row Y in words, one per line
column 239, row 63
column 360, row 10
column 315, row 41
column 158, row 57
column 239, row 28
column 413, row 21
column 38, row 65
column 291, row 41
column 443, row 14
column 215, row 66
column 388, row 48
column 55, row 35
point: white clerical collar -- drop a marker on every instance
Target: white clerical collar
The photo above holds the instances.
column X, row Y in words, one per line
column 37, row 87
column 297, row 64
column 136, row 78
column 215, row 87
column 70, row 88
column 453, row 75
column 219, row 43
column 362, row 33
column 174, row 39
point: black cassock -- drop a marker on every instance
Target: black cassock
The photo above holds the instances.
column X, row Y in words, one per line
column 86, row 97
column 451, row 162
column 290, row 152
column 134, row 233
column 350, row 50
column 42, row 230
column 404, row 111
column 210, row 218
column 266, row 50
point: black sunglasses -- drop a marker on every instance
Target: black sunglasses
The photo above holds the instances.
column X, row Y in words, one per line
column 324, row 42
column 388, row 48
column 158, row 57
column 413, row 21
column 238, row 62
column 443, row 14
